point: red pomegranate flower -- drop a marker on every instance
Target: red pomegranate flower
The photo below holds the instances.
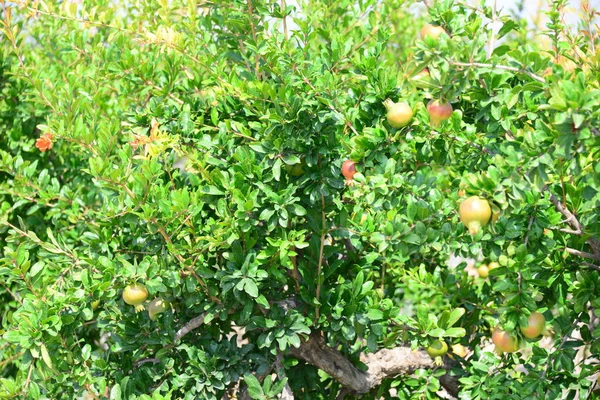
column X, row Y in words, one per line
column 44, row 142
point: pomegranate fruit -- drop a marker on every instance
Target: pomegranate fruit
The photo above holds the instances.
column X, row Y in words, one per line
column 156, row 307
column 438, row 111
column 432, row 31
column 398, row 114
column 296, row 169
column 437, row 349
column 459, row 350
column 504, row 341
column 483, row 271
column 475, row 213
column 135, row 295
column 535, row 325
column 349, row 170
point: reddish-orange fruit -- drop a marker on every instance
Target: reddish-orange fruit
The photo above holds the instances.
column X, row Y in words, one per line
column 535, row 325
column 398, row 114
column 504, row 341
column 475, row 213
column 349, row 170
column 44, row 142
column 438, row 111
column 432, row 31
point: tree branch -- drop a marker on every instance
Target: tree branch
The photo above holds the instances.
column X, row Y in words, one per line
column 287, row 393
column 385, row 363
column 190, row 326
column 583, row 254
column 571, row 220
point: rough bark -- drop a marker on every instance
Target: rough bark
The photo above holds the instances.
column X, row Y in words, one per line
column 385, row 363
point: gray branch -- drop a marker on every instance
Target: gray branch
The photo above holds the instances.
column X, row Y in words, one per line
column 385, row 363
column 190, row 326
column 572, row 221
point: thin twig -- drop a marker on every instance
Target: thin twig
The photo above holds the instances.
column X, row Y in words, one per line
column 531, row 219
column 285, row 28
column 593, row 266
column 190, row 268
column 250, row 18
column 320, row 264
column 146, row 361
column 503, row 67
column 287, row 393
column 493, row 32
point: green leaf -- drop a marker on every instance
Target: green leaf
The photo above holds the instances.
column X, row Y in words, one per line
column 455, row 332
column 254, row 388
column 251, row 288
column 46, row 356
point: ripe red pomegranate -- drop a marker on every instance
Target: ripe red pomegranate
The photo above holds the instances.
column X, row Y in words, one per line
column 438, row 111
column 349, row 170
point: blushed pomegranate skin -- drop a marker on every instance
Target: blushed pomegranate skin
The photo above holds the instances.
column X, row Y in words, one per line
column 432, row 31
column 535, row 325
column 438, row 111
column 349, row 169
column 505, row 341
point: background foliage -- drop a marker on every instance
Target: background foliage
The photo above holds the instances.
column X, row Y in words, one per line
column 174, row 126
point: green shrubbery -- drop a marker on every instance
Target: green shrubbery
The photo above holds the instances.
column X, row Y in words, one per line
column 196, row 148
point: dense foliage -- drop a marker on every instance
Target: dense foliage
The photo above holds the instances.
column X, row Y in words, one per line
column 196, row 148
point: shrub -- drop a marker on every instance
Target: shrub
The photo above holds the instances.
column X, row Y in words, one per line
column 156, row 143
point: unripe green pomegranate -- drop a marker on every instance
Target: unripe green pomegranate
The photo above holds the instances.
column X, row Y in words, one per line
column 135, row 295
column 157, row 306
column 475, row 213
column 437, row 349
column 398, row 114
